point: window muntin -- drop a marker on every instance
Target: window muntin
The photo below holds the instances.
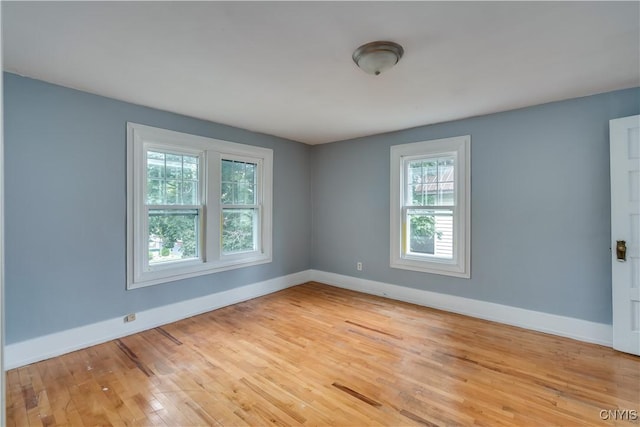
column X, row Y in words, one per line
column 430, row 201
column 195, row 205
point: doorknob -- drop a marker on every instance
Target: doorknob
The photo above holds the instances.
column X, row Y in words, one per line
column 621, row 250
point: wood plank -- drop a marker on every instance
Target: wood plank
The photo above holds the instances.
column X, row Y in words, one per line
column 319, row 355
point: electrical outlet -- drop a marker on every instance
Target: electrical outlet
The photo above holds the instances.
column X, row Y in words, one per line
column 129, row 318
column 359, row 266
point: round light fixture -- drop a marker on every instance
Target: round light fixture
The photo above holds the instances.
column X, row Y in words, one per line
column 377, row 57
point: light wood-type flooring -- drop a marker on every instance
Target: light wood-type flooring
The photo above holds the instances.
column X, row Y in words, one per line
column 319, row 355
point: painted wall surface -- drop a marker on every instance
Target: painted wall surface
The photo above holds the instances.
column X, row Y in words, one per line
column 66, row 209
column 540, row 206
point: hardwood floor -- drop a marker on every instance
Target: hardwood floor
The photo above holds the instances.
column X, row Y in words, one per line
column 319, row 355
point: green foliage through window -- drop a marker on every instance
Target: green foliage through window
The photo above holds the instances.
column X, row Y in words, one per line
column 173, row 235
column 239, row 199
column 422, row 231
column 238, row 230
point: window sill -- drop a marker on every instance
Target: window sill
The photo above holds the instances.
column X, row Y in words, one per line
column 152, row 278
column 452, row 270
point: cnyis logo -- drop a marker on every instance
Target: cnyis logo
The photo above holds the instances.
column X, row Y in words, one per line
column 619, row 414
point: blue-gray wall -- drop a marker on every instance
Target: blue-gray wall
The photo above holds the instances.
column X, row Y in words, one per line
column 65, row 209
column 540, row 208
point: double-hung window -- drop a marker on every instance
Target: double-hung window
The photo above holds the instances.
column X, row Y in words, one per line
column 430, row 206
column 195, row 205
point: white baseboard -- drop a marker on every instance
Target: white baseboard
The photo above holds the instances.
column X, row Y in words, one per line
column 582, row 330
column 47, row 346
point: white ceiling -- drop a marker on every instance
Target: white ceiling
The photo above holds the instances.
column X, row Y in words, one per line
column 285, row 68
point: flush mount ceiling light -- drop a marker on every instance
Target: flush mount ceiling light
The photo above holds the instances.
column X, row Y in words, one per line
column 377, row 57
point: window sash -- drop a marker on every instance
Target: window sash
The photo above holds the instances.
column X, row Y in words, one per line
column 161, row 175
column 442, row 211
column 236, row 185
column 256, row 232
column 407, row 195
column 200, row 237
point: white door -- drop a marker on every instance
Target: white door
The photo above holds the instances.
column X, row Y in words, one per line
column 624, row 146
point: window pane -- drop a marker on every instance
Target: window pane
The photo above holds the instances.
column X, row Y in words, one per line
column 245, row 194
column 174, row 166
column 417, row 190
column 430, row 232
column 190, row 192
column 155, row 191
column 189, row 170
column 227, row 171
column 173, row 235
column 172, row 179
column 226, row 193
column 445, row 181
column 238, row 183
column 155, row 169
column 172, row 196
column 251, row 173
column 430, row 182
column 239, row 228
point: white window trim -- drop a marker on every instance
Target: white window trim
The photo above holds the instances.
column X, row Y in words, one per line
column 461, row 264
column 211, row 260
